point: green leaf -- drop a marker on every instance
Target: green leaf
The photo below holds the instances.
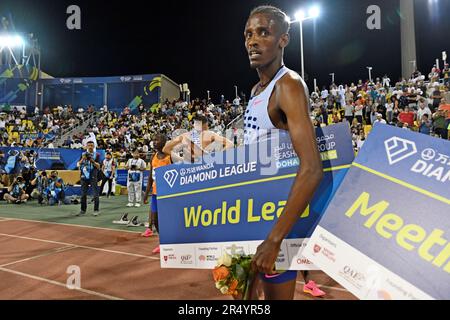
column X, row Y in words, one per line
column 240, row 273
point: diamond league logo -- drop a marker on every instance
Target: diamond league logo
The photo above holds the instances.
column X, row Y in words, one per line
column 399, row 149
column 171, row 176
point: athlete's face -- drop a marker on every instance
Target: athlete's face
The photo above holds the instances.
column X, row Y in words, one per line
column 263, row 40
column 159, row 143
column 198, row 125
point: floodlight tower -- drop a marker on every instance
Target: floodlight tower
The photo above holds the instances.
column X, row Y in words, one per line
column 20, row 58
column 408, row 37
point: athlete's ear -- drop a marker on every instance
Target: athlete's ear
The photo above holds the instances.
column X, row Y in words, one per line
column 284, row 40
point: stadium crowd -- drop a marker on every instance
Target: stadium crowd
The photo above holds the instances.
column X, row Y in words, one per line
column 121, row 133
column 38, row 129
column 412, row 104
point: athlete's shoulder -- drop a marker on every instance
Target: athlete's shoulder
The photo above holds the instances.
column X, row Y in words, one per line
column 291, row 78
column 292, row 81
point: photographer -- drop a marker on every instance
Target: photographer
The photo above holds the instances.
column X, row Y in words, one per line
column 28, row 175
column 135, row 167
column 109, row 172
column 3, row 175
column 55, row 190
column 89, row 166
column 41, row 184
column 16, row 193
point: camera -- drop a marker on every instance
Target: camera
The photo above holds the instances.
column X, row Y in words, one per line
column 133, row 167
column 88, row 156
column 19, row 179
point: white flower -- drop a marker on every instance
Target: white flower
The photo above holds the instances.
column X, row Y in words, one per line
column 224, row 290
column 225, row 260
column 219, row 285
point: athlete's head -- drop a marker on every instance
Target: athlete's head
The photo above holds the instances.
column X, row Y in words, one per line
column 200, row 123
column 159, row 142
column 266, row 35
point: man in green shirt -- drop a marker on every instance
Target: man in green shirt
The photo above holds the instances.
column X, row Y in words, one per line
column 439, row 124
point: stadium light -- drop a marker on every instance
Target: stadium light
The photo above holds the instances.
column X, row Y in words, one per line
column 11, row 41
column 300, row 16
column 314, row 12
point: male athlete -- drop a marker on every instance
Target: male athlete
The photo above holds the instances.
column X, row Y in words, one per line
column 160, row 159
column 279, row 101
column 198, row 141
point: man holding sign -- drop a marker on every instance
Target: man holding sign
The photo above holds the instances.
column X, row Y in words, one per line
column 279, row 101
column 197, row 142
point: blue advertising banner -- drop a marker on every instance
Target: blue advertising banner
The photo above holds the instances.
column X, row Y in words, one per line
column 122, row 178
column 230, row 198
column 385, row 235
column 43, row 159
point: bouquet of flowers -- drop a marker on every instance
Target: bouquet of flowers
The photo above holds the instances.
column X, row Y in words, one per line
column 233, row 275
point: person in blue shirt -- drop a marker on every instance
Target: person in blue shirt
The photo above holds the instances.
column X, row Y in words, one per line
column 89, row 165
column 41, row 184
column 55, row 190
column 425, row 125
column 16, row 191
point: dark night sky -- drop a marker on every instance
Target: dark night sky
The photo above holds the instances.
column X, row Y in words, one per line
column 201, row 41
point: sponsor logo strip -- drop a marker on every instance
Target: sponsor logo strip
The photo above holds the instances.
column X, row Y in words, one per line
column 362, row 276
column 205, row 255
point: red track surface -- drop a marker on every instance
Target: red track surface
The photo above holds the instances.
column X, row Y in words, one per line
column 34, row 258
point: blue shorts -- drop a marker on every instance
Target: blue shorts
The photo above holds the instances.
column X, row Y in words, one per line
column 154, row 204
column 279, row 278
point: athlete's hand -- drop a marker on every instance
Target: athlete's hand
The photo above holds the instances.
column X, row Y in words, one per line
column 265, row 257
column 146, row 200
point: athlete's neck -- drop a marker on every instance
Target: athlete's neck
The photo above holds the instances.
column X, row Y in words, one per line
column 268, row 72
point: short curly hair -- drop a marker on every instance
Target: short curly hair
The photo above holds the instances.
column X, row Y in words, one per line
column 276, row 14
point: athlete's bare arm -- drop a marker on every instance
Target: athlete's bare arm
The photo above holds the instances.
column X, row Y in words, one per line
column 222, row 140
column 170, row 145
column 290, row 99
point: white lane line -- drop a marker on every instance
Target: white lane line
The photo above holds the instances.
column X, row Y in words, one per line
column 47, row 253
column 56, row 283
column 326, row 287
column 69, row 225
column 80, row 246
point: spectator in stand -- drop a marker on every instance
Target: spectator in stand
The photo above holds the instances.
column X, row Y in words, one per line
column 379, row 119
column 445, row 108
column 423, row 109
column 359, row 108
column 407, row 117
column 349, row 111
column 437, row 97
column 390, row 110
column 425, row 124
column 440, row 124
column 446, row 73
